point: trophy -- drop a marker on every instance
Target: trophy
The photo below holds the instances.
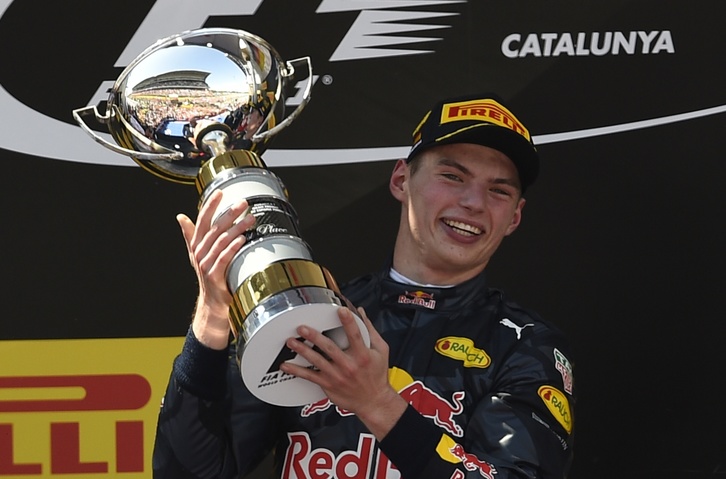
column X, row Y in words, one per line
column 201, row 107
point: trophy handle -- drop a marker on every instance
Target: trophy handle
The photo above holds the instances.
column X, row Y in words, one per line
column 306, row 98
column 77, row 115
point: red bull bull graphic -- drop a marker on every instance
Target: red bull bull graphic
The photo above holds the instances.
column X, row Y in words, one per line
column 419, row 298
column 429, row 404
column 453, row 452
column 473, row 463
column 426, row 401
column 322, row 405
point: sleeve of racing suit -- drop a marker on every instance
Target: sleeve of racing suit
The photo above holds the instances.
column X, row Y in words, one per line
column 203, row 430
column 523, row 429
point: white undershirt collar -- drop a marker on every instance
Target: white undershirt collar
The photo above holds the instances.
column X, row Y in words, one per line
column 396, row 276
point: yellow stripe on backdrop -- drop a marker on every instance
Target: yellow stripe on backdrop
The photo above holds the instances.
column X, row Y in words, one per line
column 82, row 408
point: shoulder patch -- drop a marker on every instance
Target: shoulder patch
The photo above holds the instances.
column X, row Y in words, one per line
column 557, row 403
column 563, row 365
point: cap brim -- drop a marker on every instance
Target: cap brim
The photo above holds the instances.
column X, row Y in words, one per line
column 515, row 146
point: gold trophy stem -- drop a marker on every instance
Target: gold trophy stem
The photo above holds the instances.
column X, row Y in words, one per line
column 226, row 161
column 274, row 279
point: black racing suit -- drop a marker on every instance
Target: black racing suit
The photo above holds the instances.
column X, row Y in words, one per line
column 489, row 386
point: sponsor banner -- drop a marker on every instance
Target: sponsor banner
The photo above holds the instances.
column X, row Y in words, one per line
column 383, row 59
column 81, row 408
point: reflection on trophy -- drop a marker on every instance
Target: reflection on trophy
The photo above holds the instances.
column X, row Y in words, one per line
column 200, row 108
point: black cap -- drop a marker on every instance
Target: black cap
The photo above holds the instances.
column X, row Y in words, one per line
column 481, row 119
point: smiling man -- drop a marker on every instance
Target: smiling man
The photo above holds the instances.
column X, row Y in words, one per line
column 459, row 202
column 458, row 381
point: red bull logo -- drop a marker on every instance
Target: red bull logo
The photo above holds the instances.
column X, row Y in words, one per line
column 426, row 401
column 322, row 405
column 303, row 461
column 473, row 463
column 419, row 298
column 431, row 405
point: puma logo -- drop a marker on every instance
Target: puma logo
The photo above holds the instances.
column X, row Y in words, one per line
column 508, row 323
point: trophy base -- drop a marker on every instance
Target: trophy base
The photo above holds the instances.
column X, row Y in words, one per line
column 261, row 343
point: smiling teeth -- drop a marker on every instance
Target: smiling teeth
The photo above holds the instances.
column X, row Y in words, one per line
column 463, row 228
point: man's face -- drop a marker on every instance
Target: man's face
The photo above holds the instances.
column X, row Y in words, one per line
column 458, row 205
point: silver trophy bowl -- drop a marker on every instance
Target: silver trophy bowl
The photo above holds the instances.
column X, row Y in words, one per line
column 194, row 95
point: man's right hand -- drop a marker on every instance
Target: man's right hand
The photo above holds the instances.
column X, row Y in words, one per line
column 211, row 247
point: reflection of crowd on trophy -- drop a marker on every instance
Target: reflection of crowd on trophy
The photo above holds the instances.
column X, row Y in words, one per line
column 169, row 116
column 173, row 117
column 155, row 109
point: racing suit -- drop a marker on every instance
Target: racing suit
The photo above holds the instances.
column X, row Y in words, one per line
column 489, row 387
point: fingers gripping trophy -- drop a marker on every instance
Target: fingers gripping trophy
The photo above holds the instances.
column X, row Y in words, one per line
column 200, row 108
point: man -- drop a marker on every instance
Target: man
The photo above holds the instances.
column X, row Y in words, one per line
column 457, row 382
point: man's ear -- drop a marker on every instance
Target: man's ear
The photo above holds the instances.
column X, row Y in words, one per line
column 399, row 180
column 516, row 217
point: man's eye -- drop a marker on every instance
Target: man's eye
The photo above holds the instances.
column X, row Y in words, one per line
column 500, row 191
column 451, row 176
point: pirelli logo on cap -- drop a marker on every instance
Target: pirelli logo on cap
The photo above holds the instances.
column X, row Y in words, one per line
column 488, row 111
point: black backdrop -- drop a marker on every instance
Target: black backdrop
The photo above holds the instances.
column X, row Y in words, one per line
column 621, row 243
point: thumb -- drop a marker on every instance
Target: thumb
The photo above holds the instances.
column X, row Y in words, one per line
column 187, row 228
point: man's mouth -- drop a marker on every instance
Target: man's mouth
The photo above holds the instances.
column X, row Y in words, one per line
column 463, row 228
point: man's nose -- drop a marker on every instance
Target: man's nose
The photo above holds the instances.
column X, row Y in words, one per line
column 473, row 198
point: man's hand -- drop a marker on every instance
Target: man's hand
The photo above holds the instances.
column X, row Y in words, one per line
column 355, row 379
column 211, row 247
